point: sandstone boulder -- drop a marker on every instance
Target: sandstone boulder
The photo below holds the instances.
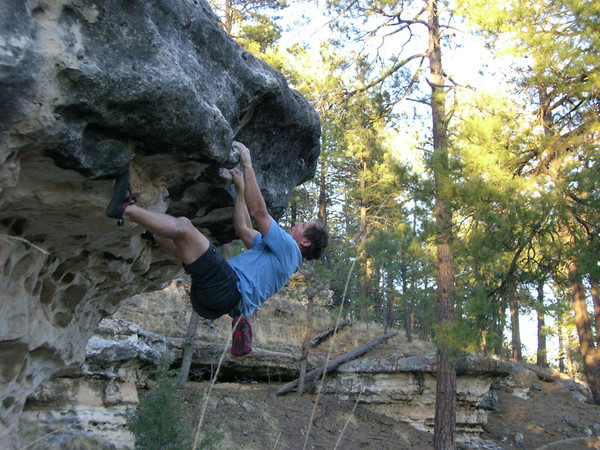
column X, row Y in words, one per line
column 89, row 88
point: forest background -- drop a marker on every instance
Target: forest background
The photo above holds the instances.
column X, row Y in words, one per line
column 458, row 175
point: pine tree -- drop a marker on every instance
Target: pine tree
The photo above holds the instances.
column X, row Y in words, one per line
column 559, row 39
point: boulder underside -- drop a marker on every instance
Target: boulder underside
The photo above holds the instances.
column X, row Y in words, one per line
column 89, row 89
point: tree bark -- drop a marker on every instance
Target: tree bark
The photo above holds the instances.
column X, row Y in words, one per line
column 389, row 313
column 302, row 377
column 228, row 25
column 589, row 353
column 309, row 328
column 405, row 307
column 365, row 273
column 542, row 353
column 304, row 355
column 445, row 405
column 322, row 202
column 188, row 349
column 596, row 302
column 427, row 333
column 561, row 346
column 515, row 327
column 569, row 355
column 293, row 210
column 500, row 324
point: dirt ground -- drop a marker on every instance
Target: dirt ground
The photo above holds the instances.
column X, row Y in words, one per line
column 541, row 420
column 251, row 416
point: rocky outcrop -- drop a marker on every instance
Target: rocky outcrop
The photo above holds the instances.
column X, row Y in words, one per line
column 403, row 388
column 89, row 88
column 122, row 358
column 92, row 404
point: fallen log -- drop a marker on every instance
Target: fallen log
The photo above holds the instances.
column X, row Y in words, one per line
column 353, row 354
column 327, row 334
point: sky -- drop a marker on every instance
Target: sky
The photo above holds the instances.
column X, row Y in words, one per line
column 305, row 22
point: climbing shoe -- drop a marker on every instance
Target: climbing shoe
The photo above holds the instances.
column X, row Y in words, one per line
column 121, row 199
column 242, row 336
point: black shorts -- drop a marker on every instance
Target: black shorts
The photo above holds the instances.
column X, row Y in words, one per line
column 214, row 289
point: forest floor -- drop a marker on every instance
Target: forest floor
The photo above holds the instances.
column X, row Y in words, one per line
column 249, row 415
column 545, row 419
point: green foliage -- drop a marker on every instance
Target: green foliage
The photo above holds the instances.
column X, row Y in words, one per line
column 158, row 422
column 212, row 436
column 458, row 338
column 260, row 35
column 251, row 22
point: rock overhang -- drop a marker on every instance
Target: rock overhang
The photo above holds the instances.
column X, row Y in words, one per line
column 88, row 89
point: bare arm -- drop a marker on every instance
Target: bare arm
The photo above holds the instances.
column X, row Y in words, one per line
column 254, row 199
column 241, row 218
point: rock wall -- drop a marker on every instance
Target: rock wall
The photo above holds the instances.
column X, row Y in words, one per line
column 91, row 405
column 89, row 88
column 403, row 388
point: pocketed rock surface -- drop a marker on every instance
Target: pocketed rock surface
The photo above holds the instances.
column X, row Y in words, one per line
column 89, row 88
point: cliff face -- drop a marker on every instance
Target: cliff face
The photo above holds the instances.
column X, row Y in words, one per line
column 87, row 89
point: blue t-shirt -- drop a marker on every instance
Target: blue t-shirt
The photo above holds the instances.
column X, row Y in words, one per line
column 266, row 267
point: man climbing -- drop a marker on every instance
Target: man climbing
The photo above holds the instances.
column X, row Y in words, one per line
column 241, row 284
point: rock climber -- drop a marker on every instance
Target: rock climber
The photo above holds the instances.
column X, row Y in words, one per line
column 241, row 284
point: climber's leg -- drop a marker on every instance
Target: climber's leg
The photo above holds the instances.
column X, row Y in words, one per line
column 188, row 243
column 169, row 246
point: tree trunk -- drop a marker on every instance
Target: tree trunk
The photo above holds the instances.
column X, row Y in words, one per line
column 569, row 355
column 302, row 376
column 293, row 210
column 445, row 405
column 562, row 349
column 322, row 202
column 589, row 353
column 228, row 25
column 516, row 328
column 542, row 353
column 500, row 324
column 365, row 261
column 596, row 301
column 389, row 313
column 188, row 349
column 329, row 333
column 188, row 342
column 376, row 295
column 427, row 333
column 411, row 304
column 309, row 327
column 405, row 308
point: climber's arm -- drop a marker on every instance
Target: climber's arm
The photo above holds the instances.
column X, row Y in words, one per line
column 254, row 199
column 241, row 218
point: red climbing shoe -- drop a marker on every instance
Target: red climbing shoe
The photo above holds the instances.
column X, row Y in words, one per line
column 242, row 336
column 121, row 199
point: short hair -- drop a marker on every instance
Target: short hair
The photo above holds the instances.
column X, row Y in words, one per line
column 319, row 240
